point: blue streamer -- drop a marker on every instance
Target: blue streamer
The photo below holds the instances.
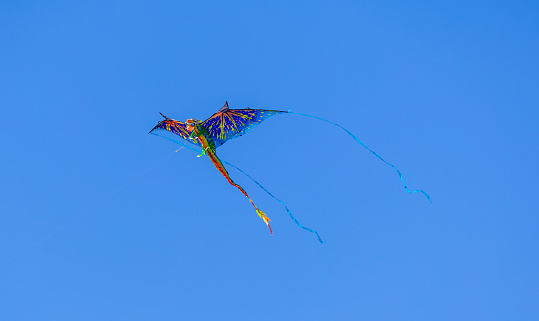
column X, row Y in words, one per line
column 257, row 183
column 370, row 150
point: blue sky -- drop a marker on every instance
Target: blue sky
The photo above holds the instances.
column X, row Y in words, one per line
column 101, row 221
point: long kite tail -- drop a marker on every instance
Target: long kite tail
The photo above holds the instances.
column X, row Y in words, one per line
column 278, row 200
column 370, row 150
column 217, row 162
column 257, row 183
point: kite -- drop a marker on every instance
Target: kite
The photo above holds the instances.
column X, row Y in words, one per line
column 229, row 123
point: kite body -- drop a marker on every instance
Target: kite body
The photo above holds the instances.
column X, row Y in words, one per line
column 215, row 131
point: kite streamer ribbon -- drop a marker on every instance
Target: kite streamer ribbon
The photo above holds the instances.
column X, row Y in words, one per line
column 208, row 148
column 217, row 162
column 282, row 203
column 256, row 182
column 370, row 150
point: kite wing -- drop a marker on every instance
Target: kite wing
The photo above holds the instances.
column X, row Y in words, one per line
column 230, row 123
column 176, row 127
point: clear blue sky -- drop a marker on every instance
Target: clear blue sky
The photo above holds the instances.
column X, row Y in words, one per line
column 101, row 221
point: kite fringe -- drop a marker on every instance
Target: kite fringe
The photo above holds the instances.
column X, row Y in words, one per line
column 257, row 183
column 370, row 150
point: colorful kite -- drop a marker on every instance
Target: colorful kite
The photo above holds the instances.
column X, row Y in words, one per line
column 230, row 123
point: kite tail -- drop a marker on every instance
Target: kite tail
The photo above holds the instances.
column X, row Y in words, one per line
column 217, row 162
column 370, row 150
column 257, row 183
column 278, row 200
